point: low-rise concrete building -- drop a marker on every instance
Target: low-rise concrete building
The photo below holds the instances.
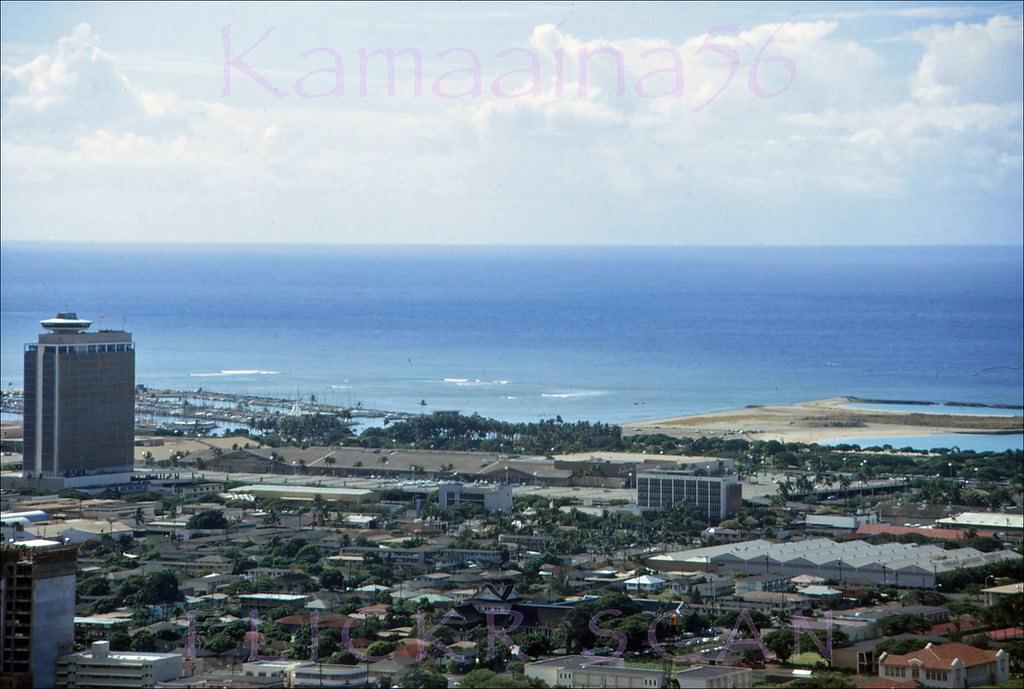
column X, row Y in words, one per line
column 839, row 521
column 595, row 671
column 995, row 594
column 79, row 531
column 1008, row 526
column 714, row 493
column 763, row 582
column 493, row 498
column 101, row 668
column 345, row 496
column 720, row 677
column 269, row 601
column 327, row 676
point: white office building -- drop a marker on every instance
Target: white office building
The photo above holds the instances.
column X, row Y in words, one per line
column 716, row 496
column 102, row 668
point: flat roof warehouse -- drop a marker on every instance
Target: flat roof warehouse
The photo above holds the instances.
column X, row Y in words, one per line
column 354, row 496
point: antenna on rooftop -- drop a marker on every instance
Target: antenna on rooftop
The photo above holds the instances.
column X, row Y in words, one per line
column 254, row 635
column 190, row 647
column 314, row 622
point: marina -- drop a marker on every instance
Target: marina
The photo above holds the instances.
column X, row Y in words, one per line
column 203, row 412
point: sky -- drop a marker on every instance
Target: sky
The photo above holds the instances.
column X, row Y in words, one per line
column 505, row 123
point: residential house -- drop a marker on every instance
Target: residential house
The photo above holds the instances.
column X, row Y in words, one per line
column 952, row 665
column 644, row 584
column 763, row 582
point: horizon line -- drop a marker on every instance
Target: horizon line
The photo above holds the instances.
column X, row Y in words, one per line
column 616, row 245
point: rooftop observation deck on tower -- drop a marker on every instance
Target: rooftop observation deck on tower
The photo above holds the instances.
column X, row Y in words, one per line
column 68, row 329
column 66, row 323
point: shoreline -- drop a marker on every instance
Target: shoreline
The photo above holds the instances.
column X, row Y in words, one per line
column 928, row 403
column 828, row 419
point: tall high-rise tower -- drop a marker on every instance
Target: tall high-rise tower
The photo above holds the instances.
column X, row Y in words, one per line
column 79, row 400
column 37, row 610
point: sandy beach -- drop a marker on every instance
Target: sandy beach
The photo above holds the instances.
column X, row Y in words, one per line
column 826, row 419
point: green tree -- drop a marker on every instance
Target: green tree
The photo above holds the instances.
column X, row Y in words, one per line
column 220, row 643
column 900, row 623
column 93, row 586
column 319, row 508
column 424, row 678
column 271, row 518
column 307, row 555
column 380, row 648
column 575, row 628
column 781, row 643
column 157, row 588
column 923, row 597
column 332, row 579
column 534, row 645
column 120, row 640
column 1015, row 649
column 343, row 658
column 477, row 678
column 900, row 646
column 1008, row 612
column 208, row 520
column 143, row 641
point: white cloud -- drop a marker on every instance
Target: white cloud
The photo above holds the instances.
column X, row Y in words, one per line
column 76, row 85
column 562, row 168
column 971, row 62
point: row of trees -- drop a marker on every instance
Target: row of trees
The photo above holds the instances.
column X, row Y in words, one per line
column 443, row 431
column 458, row 432
column 304, row 429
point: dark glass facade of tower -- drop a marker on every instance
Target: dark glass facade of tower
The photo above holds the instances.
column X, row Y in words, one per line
column 79, row 403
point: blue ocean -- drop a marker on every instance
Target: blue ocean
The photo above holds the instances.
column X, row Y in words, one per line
column 610, row 334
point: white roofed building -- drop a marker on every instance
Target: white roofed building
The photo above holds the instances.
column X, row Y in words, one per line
column 644, row 584
column 101, row 667
column 1010, row 525
column 858, row 562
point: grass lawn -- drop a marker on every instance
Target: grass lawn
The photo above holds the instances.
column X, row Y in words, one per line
column 807, row 658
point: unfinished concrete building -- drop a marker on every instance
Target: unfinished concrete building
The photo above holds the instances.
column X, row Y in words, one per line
column 37, row 610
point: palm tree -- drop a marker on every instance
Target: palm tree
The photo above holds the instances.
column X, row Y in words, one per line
column 319, row 508
column 844, row 482
column 271, row 518
column 804, row 484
